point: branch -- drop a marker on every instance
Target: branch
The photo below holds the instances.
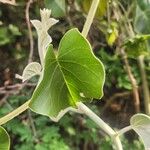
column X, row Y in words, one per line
column 16, row 87
column 114, row 97
column 133, row 82
column 29, row 30
column 11, row 2
column 145, row 85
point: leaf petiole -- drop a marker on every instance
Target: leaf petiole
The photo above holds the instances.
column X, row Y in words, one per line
column 90, row 17
column 83, row 108
column 14, row 113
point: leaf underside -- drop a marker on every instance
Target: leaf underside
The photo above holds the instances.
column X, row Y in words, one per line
column 140, row 123
column 31, row 70
column 4, row 139
column 74, row 75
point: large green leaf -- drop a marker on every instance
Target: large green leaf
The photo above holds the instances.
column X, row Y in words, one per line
column 58, row 7
column 140, row 123
column 4, row 139
column 74, row 75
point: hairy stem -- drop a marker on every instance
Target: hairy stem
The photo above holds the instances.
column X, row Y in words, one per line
column 90, row 17
column 124, row 130
column 14, row 113
column 83, row 108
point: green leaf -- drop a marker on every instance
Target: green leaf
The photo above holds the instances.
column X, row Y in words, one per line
column 112, row 35
column 137, row 46
column 4, row 139
column 74, row 75
column 140, row 123
column 142, row 17
column 101, row 10
column 58, row 7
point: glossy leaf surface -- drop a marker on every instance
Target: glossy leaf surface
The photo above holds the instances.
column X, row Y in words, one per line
column 4, row 139
column 140, row 123
column 74, row 75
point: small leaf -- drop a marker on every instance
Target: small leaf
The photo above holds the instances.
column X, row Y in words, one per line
column 112, row 36
column 31, row 70
column 42, row 27
column 75, row 70
column 58, row 7
column 4, row 139
column 140, row 123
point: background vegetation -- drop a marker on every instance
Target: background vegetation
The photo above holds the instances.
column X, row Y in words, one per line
column 119, row 37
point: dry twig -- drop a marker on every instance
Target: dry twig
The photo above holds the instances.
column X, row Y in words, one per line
column 11, row 2
column 133, row 82
column 29, row 30
column 114, row 97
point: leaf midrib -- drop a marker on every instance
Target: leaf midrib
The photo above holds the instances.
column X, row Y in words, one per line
column 74, row 101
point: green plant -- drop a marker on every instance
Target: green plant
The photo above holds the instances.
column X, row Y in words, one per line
column 68, row 66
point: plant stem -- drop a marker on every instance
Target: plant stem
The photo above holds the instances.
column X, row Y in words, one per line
column 29, row 30
column 133, row 81
column 136, row 99
column 90, row 17
column 83, row 108
column 124, row 130
column 14, row 113
column 145, row 88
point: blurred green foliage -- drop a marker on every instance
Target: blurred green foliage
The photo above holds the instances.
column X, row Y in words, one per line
column 58, row 7
column 73, row 132
column 101, row 11
column 8, row 34
column 65, row 135
column 142, row 17
column 137, row 46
